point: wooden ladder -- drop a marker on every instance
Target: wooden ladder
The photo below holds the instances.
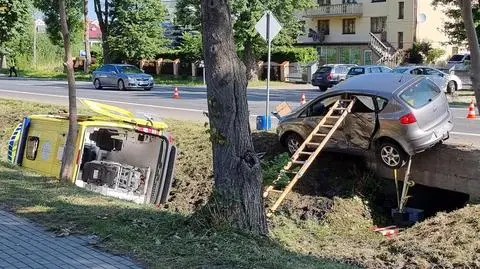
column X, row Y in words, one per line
column 317, row 140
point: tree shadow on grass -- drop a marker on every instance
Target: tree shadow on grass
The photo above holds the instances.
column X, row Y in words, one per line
column 157, row 238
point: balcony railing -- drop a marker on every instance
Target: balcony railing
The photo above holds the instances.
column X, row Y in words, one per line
column 333, row 11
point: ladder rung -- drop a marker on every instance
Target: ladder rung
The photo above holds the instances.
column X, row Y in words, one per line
column 334, row 117
column 291, row 172
column 339, row 108
column 318, row 134
column 276, row 191
column 327, row 125
column 298, row 162
column 313, row 144
column 306, row 153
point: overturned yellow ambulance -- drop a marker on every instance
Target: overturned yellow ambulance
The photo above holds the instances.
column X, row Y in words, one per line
column 118, row 154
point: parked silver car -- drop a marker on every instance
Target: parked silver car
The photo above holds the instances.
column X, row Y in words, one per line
column 122, row 77
column 447, row 82
column 395, row 115
column 367, row 69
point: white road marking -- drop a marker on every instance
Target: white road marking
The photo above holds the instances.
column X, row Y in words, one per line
column 467, row 134
column 465, row 118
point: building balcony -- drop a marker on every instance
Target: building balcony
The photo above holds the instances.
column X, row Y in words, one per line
column 340, row 10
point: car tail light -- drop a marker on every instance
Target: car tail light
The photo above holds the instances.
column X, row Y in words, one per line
column 408, row 119
column 329, row 76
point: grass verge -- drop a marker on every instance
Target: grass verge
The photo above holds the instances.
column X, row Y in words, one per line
column 158, row 238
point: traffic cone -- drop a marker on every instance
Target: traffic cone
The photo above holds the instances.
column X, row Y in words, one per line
column 176, row 94
column 471, row 111
column 302, row 100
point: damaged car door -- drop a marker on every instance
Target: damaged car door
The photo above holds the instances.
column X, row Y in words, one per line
column 361, row 124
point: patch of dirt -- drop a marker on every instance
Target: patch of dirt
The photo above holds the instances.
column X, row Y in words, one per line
column 303, row 207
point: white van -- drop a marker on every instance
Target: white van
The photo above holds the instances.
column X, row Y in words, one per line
column 459, row 62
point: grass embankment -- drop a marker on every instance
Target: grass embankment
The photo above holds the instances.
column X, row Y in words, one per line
column 327, row 217
column 158, row 238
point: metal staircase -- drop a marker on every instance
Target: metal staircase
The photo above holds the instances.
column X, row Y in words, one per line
column 316, row 141
column 389, row 56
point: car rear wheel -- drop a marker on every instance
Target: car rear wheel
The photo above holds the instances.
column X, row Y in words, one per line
column 392, row 155
column 121, row 85
column 97, row 84
column 293, row 142
column 451, row 87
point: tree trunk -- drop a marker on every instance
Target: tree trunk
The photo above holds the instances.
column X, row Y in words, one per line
column 466, row 7
column 238, row 181
column 250, row 62
column 88, row 58
column 66, row 172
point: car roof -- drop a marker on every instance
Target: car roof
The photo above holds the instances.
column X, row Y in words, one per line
column 372, row 65
column 382, row 84
column 119, row 64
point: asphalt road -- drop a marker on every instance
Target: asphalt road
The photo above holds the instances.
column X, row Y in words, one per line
column 192, row 103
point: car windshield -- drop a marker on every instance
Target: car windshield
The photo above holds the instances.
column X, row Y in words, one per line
column 400, row 70
column 324, row 69
column 356, row 71
column 128, row 69
column 456, row 58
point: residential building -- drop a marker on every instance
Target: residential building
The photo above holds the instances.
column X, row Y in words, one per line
column 369, row 31
column 94, row 32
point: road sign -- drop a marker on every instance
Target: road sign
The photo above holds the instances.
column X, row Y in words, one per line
column 263, row 24
column 268, row 27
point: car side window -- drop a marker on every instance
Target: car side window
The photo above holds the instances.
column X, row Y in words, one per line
column 321, row 107
column 429, row 71
column 101, row 68
column 364, row 104
column 381, row 103
column 417, row 71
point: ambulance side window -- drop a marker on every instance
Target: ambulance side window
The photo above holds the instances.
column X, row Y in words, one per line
column 32, row 147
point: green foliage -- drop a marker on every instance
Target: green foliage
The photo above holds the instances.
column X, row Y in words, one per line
column 291, row 54
column 271, row 169
column 191, row 49
column 14, row 22
column 453, row 27
column 419, row 52
column 74, row 9
column 136, row 32
column 434, row 54
column 246, row 13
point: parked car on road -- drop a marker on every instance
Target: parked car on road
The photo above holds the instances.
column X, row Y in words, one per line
column 459, row 61
column 447, row 82
column 122, row 77
column 395, row 115
column 367, row 69
column 329, row 75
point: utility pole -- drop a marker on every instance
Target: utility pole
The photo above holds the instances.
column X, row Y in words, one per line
column 86, row 38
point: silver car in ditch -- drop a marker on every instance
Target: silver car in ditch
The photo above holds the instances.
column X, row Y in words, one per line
column 395, row 115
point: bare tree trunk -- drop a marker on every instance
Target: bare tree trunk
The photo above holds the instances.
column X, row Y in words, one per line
column 251, row 63
column 466, row 7
column 238, row 181
column 66, row 172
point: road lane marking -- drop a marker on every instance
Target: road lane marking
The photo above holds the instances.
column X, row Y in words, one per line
column 462, row 133
column 465, row 118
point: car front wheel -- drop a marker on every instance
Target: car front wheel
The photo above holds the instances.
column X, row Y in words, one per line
column 392, row 155
column 121, row 85
column 97, row 84
column 293, row 142
column 451, row 87
column 148, row 89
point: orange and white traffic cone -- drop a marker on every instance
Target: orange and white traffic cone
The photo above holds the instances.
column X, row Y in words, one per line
column 303, row 100
column 471, row 111
column 176, row 94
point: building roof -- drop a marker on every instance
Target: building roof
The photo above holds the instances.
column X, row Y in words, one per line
column 94, row 31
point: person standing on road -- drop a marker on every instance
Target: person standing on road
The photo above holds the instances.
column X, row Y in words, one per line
column 11, row 64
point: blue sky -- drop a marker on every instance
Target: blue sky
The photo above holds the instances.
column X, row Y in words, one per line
column 91, row 10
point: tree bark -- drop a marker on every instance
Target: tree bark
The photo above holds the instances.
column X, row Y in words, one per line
column 250, row 62
column 88, row 58
column 103, row 22
column 466, row 7
column 237, row 173
column 66, row 172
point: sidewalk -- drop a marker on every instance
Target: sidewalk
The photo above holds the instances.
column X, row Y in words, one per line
column 26, row 245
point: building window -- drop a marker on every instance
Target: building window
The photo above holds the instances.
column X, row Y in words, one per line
column 323, row 27
column 401, row 10
column 400, row 40
column 349, row 55
column 327, row 55
column 378, row 24
column 323, row 2
column 32, row 147
column 349, row 26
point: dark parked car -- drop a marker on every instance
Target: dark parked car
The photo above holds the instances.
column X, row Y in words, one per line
column 122, row 77
column 396, row 115
column 367, row 69
column 330, row 75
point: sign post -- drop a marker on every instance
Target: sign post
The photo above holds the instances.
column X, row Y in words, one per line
column 268, row 27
